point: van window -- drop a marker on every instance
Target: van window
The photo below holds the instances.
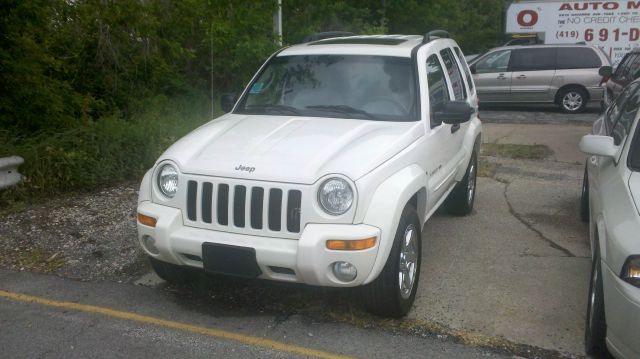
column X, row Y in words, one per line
column 494, row 62
column 457, row 83
column 577, row 58
column 534, row 59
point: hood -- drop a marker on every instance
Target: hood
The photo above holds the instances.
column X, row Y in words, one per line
column 290, row 149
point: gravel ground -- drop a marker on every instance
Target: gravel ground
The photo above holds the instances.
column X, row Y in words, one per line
column 92, row 237
column 83, row 236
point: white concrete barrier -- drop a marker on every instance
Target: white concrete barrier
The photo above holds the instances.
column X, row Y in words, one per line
column 9, row 174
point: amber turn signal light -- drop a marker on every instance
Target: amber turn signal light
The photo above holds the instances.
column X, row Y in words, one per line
column 351, row 245
column 146, row 220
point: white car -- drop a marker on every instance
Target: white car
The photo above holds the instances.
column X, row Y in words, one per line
column 324, row 170
column 611, row 203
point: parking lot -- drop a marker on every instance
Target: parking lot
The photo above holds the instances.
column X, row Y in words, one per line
column 519, row 266
column 512, row 276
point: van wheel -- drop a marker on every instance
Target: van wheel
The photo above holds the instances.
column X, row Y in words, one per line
column 572, row 100
column 461, row 199
column 596, row 327
column 170, row 272
column 393, row 292
column 584, row 197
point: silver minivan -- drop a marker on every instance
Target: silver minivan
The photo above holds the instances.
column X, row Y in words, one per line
column 566, row 75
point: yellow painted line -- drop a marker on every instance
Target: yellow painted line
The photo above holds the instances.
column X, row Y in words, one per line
column 212, row 332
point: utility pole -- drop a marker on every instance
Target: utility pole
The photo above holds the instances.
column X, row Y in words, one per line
column 277, row 22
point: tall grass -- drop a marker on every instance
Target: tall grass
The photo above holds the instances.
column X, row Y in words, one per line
column 101, row 152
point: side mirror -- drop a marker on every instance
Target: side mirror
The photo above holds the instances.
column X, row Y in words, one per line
column 605, row 71
column 454, row 112
column 472, row 68
column 598, row 145
column 227, row 101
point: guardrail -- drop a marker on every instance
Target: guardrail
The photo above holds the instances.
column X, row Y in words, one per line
column 9, row 174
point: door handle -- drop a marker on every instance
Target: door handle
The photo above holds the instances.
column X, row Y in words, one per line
column 501, row 77
column 521, row 77
column 455, row 127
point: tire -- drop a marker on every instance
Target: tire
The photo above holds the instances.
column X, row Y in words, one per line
column 170, row 272
column 596, row 326
column 572, row 100
column 386, row 295
column 461, row 199
column 584, row 197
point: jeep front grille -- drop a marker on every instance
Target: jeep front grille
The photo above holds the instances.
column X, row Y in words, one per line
column 244, row 208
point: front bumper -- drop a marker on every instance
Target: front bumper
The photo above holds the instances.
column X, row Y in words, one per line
column 308, row 258
column 622, row 312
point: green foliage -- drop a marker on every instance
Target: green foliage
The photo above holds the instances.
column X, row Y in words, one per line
column 476, row 24
column 102, row 152
column 91, row 92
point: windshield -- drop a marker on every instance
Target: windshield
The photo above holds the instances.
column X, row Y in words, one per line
column 340, row 86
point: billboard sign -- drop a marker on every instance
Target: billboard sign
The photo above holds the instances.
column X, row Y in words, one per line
column 614, row 26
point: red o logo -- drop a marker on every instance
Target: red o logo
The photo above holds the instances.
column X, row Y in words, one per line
column 527, row 18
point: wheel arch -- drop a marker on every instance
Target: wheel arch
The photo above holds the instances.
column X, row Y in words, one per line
column 405, row 187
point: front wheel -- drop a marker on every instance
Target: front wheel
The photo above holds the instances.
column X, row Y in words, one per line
column 393, row 292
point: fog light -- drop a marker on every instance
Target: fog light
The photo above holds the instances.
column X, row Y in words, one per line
column 149, row 244
column 344, row 271
column 631, row 270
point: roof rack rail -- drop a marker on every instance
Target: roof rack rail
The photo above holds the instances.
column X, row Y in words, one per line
column 327, row 35
column 435, row 34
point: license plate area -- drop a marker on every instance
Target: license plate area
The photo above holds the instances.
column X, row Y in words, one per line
column 230, row 260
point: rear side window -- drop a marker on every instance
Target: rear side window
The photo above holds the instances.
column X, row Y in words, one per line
column 577, row 58
column 465, row 67
column 622, row 68
column 634, row 68
column 618, row 107
column 457, row 83
column 534, row 59
column 438, row 90
column 627, row 114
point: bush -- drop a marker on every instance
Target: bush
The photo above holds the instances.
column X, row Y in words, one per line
column 103, row 152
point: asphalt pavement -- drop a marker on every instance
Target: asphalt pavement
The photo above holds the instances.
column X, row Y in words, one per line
column 43, row 316
column 518, row 266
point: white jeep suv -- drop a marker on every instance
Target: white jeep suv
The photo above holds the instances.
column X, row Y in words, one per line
column 324, row 170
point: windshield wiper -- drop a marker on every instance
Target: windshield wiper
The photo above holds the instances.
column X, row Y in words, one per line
column 343, row 109
column 283, row 109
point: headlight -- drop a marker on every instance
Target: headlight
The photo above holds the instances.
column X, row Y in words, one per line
column 335, row 196
column 168, row 180
column 631, row 270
